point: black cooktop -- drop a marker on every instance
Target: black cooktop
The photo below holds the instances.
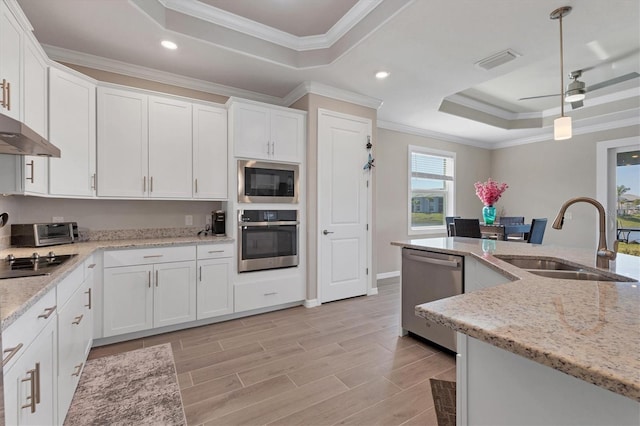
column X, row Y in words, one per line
column 17, row 267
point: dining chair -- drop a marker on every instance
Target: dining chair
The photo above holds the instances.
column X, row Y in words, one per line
column 448, row 220
column 513, row 220
column 467, row 228
column 537, row 231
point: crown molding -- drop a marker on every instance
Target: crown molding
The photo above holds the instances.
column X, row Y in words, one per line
column 330, row 92
column 243, row 25
column 111, row 65
column 397, row 127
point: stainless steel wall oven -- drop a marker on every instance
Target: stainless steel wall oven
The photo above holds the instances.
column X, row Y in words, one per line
column 267, row 239
column 265, row 182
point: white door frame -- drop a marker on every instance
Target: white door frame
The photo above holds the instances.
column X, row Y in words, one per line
column 370, row 289
column 605, row 154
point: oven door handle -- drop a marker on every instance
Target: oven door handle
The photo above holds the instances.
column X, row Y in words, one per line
column 265, row 224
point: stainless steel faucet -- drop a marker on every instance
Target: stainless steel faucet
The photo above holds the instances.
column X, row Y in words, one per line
column 603, row 255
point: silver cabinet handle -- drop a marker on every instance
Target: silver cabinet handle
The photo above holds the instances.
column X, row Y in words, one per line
column 88, row 292
column 47, row 312
column 33, row 166
column 156, row 278
column 144, row 184
column 12, row 352
column 4, row 102
column 37, row 383
column 93, row 265
column 268, row 148
column 8, row 96
column 78, row 369
column 215, row 251
column 449, row 263
column 32, row 397
column 77, row 319
column 93, row 181
column 273, row 148
column 152, row 256
column 151, row 184
column 325, row 232
column 271, row 294
column 200, row 278
column 196, row 186
column 149, row 279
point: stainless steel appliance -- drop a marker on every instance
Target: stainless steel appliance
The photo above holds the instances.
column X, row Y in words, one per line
column 43, row 234
column 264, row 182
column 218, row 223
column 19, row 139
column 18, row 267
column 426, row 277
column 267, row 239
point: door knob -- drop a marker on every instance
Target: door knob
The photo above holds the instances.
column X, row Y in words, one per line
column 325, row 232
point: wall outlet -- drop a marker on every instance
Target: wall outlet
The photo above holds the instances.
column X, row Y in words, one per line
column 57, row 219
column 188, row 220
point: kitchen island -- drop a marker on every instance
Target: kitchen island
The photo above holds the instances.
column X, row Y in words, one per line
column 540, row 350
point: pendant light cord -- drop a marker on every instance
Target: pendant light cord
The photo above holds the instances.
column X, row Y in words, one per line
column 561, row 71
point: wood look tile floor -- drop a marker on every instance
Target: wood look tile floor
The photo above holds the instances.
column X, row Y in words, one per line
column 339, row 363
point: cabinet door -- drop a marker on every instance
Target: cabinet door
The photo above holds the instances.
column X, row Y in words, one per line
column 251, row 134
column 209, row 152
column 37, row 365
column 10, row 45
column 170, row 148
column 122, row 143
column 72, row 321
column 215, row 293
column 35, row 115
column 174, row 296
column 72, row 128
column 287, row 136
column 128, row 299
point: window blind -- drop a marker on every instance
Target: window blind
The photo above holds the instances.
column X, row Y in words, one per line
column 427, row 166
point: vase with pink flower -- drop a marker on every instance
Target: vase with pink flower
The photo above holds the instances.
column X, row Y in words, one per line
column 489, row 193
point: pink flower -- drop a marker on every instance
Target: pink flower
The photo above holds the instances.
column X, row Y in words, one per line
column 490, row 191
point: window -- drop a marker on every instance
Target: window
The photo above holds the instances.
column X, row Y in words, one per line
column 431, row 183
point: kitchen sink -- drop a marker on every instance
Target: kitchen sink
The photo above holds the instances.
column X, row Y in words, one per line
column 556, row 268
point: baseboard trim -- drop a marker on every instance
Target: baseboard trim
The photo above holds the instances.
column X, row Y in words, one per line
column 372, row 291
column 311, row 303
column 383, row 275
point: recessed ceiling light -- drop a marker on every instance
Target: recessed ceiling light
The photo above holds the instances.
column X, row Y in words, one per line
column 380, row 75
column 169, row 45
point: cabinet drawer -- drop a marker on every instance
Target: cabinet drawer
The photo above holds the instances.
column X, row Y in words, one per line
column 69, row 285
column 27, row 327
column 148, row 256
column 267, row 293
column 215, row 251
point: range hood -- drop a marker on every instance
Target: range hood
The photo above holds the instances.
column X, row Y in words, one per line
column 18, row 139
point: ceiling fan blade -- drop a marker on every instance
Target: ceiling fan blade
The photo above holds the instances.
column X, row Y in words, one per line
column 538, row 97
column 612, row 81
column 576, row 105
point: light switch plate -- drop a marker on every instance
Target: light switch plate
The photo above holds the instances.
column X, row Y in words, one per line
column 188, row 220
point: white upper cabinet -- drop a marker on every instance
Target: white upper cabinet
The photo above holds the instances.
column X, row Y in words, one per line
column 122, row 143
column 264, row 132
column 11, row 36
column 35, row 114
column 209, row 152
column 72, row 128
column 170, row 148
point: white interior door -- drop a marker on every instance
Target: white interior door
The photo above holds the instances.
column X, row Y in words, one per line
column 343, row 200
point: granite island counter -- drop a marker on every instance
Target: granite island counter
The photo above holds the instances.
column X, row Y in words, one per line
column 589, row 330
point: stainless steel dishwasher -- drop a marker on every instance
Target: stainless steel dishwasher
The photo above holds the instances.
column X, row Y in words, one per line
column 428, row 276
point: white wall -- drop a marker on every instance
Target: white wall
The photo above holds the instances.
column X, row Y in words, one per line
column 392, row 196
column 543, row 175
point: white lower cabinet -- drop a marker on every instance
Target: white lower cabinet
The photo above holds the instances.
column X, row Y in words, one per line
column 75, row 332
column 30, row 384
column 215, row 290
column 266, row 293
column 159, row 292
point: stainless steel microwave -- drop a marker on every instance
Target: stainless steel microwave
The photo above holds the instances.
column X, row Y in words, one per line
column 267, row 182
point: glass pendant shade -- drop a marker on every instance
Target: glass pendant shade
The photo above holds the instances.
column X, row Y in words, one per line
column 562, row 128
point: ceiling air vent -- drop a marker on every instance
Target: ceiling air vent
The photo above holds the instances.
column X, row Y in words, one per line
column 497, row 59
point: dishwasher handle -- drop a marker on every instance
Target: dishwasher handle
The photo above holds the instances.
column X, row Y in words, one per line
column 449, row 263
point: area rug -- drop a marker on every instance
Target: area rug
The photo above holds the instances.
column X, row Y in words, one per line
column 444, row 400
column 131, row 388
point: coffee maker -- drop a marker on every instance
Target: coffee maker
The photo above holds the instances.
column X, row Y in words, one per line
column 218, row 222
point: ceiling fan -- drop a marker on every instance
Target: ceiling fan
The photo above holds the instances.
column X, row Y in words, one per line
column 576, row 90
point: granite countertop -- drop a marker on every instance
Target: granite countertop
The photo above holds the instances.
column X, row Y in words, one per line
column 19, row 294
column 587, row 329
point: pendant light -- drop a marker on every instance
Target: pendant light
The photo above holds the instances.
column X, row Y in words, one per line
column 562, row 124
